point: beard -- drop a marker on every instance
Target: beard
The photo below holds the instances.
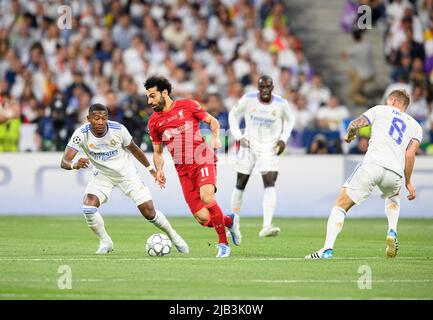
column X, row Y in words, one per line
column 160, row 106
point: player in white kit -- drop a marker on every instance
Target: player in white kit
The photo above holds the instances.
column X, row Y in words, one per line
column 269, row 123
column 108, row 146
column 395, row 138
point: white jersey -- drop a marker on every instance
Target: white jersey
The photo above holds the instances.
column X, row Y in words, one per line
column 391, row 132
column 108, row 154
column 266, row 123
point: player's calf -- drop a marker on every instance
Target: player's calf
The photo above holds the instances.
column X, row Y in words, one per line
column 96, row 223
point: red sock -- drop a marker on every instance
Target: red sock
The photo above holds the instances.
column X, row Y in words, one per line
column 217, row 220
column 228, row 221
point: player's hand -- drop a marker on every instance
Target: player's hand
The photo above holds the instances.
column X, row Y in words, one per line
column 215, row 143
column 280, row 146
column 153, row 173
column 244, row 143
column 81, row 163
column 349, row 138
column 411, row 189
column 160, row 178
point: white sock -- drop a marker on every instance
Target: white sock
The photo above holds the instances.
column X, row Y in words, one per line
column 236, row 200
column 335, row 224
column 96, row 223
column 161, row 222
column 269, row 202
column 392, row 211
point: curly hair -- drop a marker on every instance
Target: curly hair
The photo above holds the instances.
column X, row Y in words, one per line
column 160, row 83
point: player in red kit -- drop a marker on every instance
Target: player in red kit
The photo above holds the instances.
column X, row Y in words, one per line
column 176, row 124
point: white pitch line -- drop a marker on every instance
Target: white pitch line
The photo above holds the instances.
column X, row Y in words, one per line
column 146, row 297
column 343, row 281
column 159, row 259
column 277, row 281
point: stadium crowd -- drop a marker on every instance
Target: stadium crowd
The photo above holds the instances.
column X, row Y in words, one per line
column 212, row 51
column 408, row 49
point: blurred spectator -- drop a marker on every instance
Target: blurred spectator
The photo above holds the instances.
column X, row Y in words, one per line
column 401, row 84
column 430, row 123
column 175, row 34
column 9, row 121
column 331, row 116
column 419, row 108
column 316, row 93
column 215, row 108
column 234, row 94
column 115, row 112
column 360, row 147
column 123, row 31
column 319, row 145
column 303, row 119
column 45, row 134
column 136, row 115
column 360, row 55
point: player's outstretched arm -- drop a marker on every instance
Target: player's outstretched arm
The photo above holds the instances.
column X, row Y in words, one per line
column 158, row 160
column 141, row 157
column 215, row 128
column 354, row 126
column 409, row 165
column 67, row 160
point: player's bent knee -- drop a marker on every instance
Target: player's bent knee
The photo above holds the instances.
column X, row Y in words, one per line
column 147, row 210
column 207, row 198
column 91, row 200
column 202, row 217
column 207, row 194
column 393, row 203
column 344, row 201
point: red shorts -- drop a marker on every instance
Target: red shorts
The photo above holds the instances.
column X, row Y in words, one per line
column 193, row 179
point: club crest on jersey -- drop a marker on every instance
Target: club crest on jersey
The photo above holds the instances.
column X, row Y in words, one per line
column 274, row 113
column 113, row 142
column 91, row 146
column 180, row 114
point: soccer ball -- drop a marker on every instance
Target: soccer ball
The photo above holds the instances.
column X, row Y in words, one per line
column 158, row 244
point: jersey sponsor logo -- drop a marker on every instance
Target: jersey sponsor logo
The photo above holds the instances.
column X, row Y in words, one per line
column 76, row 140
column 261, row 122
column 168, row 134
column 162, row 122
column 103, row 156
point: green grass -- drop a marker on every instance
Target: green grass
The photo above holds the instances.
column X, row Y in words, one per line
column 33, row 248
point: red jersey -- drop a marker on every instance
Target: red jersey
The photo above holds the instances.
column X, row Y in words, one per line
column 179, row 129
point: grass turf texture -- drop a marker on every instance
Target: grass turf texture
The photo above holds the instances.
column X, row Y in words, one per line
column 33, row 248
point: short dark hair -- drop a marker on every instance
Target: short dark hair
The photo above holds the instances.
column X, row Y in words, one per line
column 97, row 107
column 160, row 83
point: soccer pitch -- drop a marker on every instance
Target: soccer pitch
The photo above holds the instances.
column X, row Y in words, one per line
column 33, row 248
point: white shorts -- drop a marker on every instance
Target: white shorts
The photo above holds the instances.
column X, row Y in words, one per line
column 366, row 176
column 131, row 185
column 248, row 161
